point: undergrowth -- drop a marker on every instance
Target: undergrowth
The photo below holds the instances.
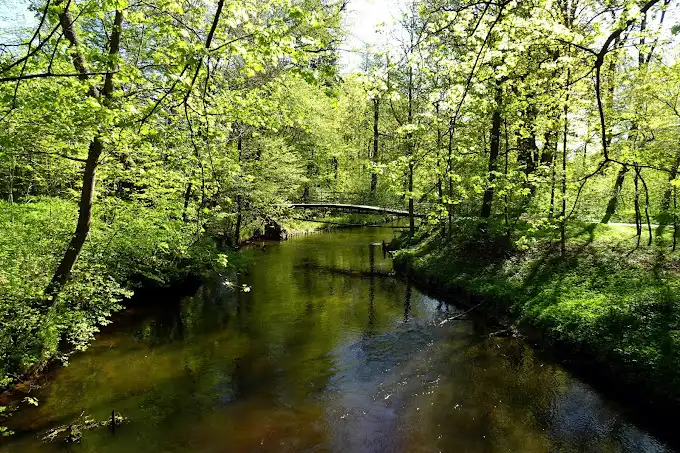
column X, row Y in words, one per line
column 604, row 299
column 129, row 245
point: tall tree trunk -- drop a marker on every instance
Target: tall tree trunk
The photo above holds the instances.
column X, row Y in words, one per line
column 607, row 140
column 550, row 148
column 527, row 150
column 675, row 218
column 187, row 199
column 506, row 206
column 411, row 209
column 449, row 177
column 95, row 149
column 638, row 216
column 565, row 139
column 239, row 200
column 616, row 193
column 440, row 188
column 84, row 219
column 553, row 176
column 376, row 143
column 493, row 156
column 638, row 174
column 665, row 217
column 563, row 213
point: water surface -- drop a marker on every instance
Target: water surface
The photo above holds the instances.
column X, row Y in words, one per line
column 326, row 353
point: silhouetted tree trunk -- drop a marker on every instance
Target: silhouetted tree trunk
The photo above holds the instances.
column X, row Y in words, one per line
column 449, row 168
column 239, row 199
column 527, row 150
column 616, row 193
column 376, row 143
column 565, row 139
column 638, row 217
column 411, row 213
column 187, row 198
column 493, row 155
column 665, row 217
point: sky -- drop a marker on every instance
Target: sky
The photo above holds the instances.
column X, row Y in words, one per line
column 362, row 19
column 14, row 15
column 363, row 16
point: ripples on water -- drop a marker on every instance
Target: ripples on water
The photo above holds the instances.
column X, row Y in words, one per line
column 327, row 353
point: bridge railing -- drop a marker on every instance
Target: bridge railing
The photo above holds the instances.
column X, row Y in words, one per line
column 356, row 198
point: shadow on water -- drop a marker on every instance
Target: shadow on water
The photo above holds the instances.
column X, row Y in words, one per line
column 327, row 353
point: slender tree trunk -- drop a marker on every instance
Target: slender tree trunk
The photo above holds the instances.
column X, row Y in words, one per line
column 506, row 207
column 553, row 177
column 675, row 218
column 638, row 217
column 527, row 148
column 449, row 170
column 616, row 193
column 411, row 214
column 440, row 188
column 666, row 201
column 239, row 200
column 376, row 136
column 613, row 203
column 95, row 150
column 638, row 173
column 550, row 148
column 565, row 139
column 187, row 199
column 84, row 219
column 493, row 156
column 10, row 197
column 664, row 216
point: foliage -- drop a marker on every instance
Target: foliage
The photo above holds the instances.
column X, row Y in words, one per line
column 595, row 303
column 140, row 141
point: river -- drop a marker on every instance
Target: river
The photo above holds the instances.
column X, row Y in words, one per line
column 325, row 353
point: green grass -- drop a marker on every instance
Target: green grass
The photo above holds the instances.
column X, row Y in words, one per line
column 606, row 299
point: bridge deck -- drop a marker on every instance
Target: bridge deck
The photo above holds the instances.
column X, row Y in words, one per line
column 362, row 209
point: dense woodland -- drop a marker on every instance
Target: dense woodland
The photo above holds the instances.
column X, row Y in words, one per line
column 143, row 139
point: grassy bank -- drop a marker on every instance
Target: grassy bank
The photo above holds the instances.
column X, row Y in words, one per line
column 130, row 245
column 604, row 302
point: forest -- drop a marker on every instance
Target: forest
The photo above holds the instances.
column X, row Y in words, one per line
column 535, row 145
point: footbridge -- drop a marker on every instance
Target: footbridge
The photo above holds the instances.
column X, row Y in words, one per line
column 356, row 209
column 356, row 203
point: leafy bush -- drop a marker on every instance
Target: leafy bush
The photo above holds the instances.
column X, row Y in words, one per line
column 129, row 244
column 619, row 308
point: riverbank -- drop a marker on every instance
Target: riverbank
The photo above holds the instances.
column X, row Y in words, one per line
column 302, row 226
column 130, row 247
column 604, row 307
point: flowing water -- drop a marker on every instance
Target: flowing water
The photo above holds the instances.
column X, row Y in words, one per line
column 326, row 353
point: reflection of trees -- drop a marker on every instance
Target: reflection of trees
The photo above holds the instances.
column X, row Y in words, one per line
column 496, row 396
column 226, row 365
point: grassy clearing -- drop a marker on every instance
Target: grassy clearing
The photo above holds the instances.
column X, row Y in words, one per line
column 605, row 299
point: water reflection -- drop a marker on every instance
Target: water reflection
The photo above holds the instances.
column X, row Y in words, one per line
column 326, row 353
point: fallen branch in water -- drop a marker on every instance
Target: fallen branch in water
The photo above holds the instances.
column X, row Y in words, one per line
column 73, row 432
column 460, row 315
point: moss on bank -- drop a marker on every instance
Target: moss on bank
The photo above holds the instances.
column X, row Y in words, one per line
column 604, row 303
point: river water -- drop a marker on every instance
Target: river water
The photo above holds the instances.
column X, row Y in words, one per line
column 325, row 353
